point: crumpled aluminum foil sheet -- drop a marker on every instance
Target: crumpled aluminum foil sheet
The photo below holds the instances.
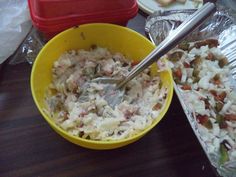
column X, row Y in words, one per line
column 161, row 23
column 221, row 26
column 29, row 48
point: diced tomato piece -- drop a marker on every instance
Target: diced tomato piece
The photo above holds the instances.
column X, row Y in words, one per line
column 213, row 92
column 157, row 106
column 222, row 96
column 134, row 63
column 205, row 121
column 178, row 73
column 223, row 125
column 218, row 97
column 186, row 65
column 230, row 117
column 202, row 119
column 186, row 87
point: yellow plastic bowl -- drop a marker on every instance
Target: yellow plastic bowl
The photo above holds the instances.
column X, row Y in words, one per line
column 115, row 38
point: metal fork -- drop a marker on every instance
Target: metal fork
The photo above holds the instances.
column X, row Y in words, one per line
column 115, row 87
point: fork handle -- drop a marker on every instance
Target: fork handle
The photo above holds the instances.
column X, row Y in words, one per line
column 191, row 23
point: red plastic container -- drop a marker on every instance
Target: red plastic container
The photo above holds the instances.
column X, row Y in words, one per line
column 53, row 16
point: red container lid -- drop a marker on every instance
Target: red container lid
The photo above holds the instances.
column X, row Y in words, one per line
column 56, row 12
column 53, row 16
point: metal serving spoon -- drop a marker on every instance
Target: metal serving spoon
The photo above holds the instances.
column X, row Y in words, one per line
column 114, row 92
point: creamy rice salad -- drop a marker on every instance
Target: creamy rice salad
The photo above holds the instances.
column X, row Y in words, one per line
column 202, row 76
column 94, row 118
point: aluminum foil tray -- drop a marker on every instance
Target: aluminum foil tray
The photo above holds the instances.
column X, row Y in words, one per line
column 219, row 26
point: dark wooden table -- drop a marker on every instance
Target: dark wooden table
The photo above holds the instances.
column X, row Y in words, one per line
column 29, row 147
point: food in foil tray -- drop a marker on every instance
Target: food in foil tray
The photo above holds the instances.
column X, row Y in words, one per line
column 205, row 83
column 94, row 118
column 202, row 76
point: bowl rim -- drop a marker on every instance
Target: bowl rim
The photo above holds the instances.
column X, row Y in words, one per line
column 90, row 141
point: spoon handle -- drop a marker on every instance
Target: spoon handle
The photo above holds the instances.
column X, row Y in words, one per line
column 191, row 23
